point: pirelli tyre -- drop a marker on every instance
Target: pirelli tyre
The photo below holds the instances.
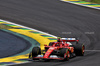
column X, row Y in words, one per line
column 79, row 49
column 65, row 53
column 35, row 51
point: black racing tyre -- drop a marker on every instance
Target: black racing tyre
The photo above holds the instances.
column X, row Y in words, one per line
column 36, row 51
column 64, row 52
column 79, row 49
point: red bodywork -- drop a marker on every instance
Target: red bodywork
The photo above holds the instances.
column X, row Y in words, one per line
column 57, row 46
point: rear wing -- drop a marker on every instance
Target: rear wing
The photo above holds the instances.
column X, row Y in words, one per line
column 70, row 39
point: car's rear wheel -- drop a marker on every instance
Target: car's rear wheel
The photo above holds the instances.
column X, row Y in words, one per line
column 79, row 49
column 65, row 53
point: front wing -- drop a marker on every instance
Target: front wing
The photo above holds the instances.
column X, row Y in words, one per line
column 55, row 57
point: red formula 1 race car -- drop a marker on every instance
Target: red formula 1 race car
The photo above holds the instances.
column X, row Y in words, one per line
column 63, row 49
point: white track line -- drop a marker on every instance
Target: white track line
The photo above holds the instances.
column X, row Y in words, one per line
column 28, row 28
column 81, row 5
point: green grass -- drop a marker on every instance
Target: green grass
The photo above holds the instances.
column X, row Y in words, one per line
column 94, row 1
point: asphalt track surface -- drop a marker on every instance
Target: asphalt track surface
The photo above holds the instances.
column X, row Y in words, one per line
column 60, row 19
column 11, row 44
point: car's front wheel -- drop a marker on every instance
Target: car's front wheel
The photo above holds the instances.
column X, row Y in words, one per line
column 35, row 51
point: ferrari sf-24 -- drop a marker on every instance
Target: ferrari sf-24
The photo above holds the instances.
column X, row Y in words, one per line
column 63, row 49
